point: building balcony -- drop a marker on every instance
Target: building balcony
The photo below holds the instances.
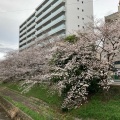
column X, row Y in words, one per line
column 32, row 25
column 50, row 40
column 27, row 39
column 57, row 29
column 50, row 9
column 43, row 7
column 30, row 32
column 21, row 43
column 61, row 18
column 22, row 48
column 30, row 38
column 28, row 22
column 23, row 27
column 24, row 31
column 27, row 45
column 53, row 31
column 24, row 36
column 51, row 16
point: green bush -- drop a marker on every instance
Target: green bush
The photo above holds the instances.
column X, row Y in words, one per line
column 116, row 77
column 55, row 79
column 71, row 38
column 94, row 87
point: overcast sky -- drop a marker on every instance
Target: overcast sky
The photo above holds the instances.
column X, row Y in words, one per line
column 14, row 12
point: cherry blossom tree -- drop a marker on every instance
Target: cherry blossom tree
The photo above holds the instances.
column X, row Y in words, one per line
column 91, row 57
column 28, row 63
column 68, row 66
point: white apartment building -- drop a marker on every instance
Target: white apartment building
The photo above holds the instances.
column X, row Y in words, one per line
column 54, row 18
column 113, row 17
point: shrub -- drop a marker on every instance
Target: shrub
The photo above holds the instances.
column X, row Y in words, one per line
column 94, row 87
column 71, row 38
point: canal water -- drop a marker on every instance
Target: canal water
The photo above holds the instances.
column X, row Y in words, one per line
column 3, row 115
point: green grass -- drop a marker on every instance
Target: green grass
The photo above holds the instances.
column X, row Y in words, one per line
column 43, row 93
column 101, row 107
column 99, row 110
column 13, row 86
column 31, row 113
column 34, row 115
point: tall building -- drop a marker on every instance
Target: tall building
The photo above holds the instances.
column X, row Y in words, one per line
column 54, row 18
column 111, row 18
column 114, row 16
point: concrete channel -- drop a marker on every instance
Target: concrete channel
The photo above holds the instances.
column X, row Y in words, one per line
column 3, row 114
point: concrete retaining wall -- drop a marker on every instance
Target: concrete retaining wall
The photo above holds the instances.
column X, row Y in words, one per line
column 12, row 111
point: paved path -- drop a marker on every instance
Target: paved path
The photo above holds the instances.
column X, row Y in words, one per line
column 3, row 115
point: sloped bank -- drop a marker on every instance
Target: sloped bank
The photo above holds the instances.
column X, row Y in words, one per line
column 14, row 112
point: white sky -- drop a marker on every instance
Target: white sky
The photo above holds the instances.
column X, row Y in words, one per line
column 14, row 12
column 2, row 56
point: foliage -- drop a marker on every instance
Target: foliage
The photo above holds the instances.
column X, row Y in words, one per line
column 90, row 58
column 42, row 92
column 31, row 113
column 45, row 93
column 98, row 109
column 26, row 65
column 71, row 38
column 94, row 87
column 71, row 68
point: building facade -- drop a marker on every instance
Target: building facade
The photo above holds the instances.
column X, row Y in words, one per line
column 114, row 16
column 54, row 17
column 111, row 18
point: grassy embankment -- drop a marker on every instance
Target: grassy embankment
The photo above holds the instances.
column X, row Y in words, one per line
column 38, row 91
column 100, row 106
column 26, row 110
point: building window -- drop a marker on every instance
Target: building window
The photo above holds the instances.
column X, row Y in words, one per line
column 78, row 0
column 78, row 17
column 82, row 10
column 82, row 2
column 78, row 8
column 83, row 27
column 78, row 25
column 82, row 18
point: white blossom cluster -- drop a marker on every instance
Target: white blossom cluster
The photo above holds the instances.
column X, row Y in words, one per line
column 30, row 64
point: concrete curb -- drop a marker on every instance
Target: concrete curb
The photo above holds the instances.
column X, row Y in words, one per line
column 14, row 112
